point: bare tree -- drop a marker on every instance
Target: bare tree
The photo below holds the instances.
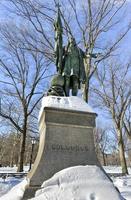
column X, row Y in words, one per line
column 22, row 81
column 113, row 93
column 99, row 18
column 37, row 17
column 90, row 22
column 87, row 21
column 101, row 141
column 105, row 143
column 14, row 141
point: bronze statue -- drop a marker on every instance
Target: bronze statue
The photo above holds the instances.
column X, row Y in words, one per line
column 73, row 69
column 69, row 61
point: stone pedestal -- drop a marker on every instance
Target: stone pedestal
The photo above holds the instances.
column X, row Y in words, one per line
column 66, row 139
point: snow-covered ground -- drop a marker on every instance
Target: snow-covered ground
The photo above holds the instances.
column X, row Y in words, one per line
column 12, row 169
column 6, row 185
column 13, row 188
column 9, row 182
column 114, row 169
column 124, row 186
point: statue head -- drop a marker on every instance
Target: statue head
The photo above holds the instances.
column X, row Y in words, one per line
column 72, row 41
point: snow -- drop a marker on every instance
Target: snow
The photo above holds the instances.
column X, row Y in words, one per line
column 79, row 183
column 114, row 169
column 92, row 184
column 10, row 182
column 124, row 185
column 70, row 103
column 12, row 169
column 7, row 184
column 17, row 192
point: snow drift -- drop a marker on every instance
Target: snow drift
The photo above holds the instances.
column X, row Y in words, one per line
column 78, row 183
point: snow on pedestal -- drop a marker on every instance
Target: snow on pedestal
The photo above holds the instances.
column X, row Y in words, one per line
column 78, row 183
column 70, row 103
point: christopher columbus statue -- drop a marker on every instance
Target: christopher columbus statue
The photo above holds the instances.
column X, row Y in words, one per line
column 73, row 68
column 69, row 61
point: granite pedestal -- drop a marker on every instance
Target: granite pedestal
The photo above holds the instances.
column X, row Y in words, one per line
column 66, row 139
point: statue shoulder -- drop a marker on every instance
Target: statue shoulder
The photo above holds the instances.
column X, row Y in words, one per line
column 81, row 52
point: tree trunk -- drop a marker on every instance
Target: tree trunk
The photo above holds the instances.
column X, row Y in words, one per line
column 2, row 152
column 86, row 91
column 12, row 153
column 86, row 86
column 22, row 152
column 104, row 159
column 31, row 156
column 12, row 157
column 122, row 153
column 22, row 146
column 27, row 157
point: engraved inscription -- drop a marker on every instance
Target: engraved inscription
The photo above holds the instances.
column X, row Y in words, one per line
column 59, row 147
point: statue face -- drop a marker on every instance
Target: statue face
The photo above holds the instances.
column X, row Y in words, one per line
column 72, row 42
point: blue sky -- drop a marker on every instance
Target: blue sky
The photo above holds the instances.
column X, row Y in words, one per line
column 124, row 51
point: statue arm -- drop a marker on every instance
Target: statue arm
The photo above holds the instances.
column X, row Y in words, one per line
column 82, row 53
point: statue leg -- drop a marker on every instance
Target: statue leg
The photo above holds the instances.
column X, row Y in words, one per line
column 67, row 86
column 75, row 85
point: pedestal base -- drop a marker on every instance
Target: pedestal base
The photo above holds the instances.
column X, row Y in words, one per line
column 66, row 140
